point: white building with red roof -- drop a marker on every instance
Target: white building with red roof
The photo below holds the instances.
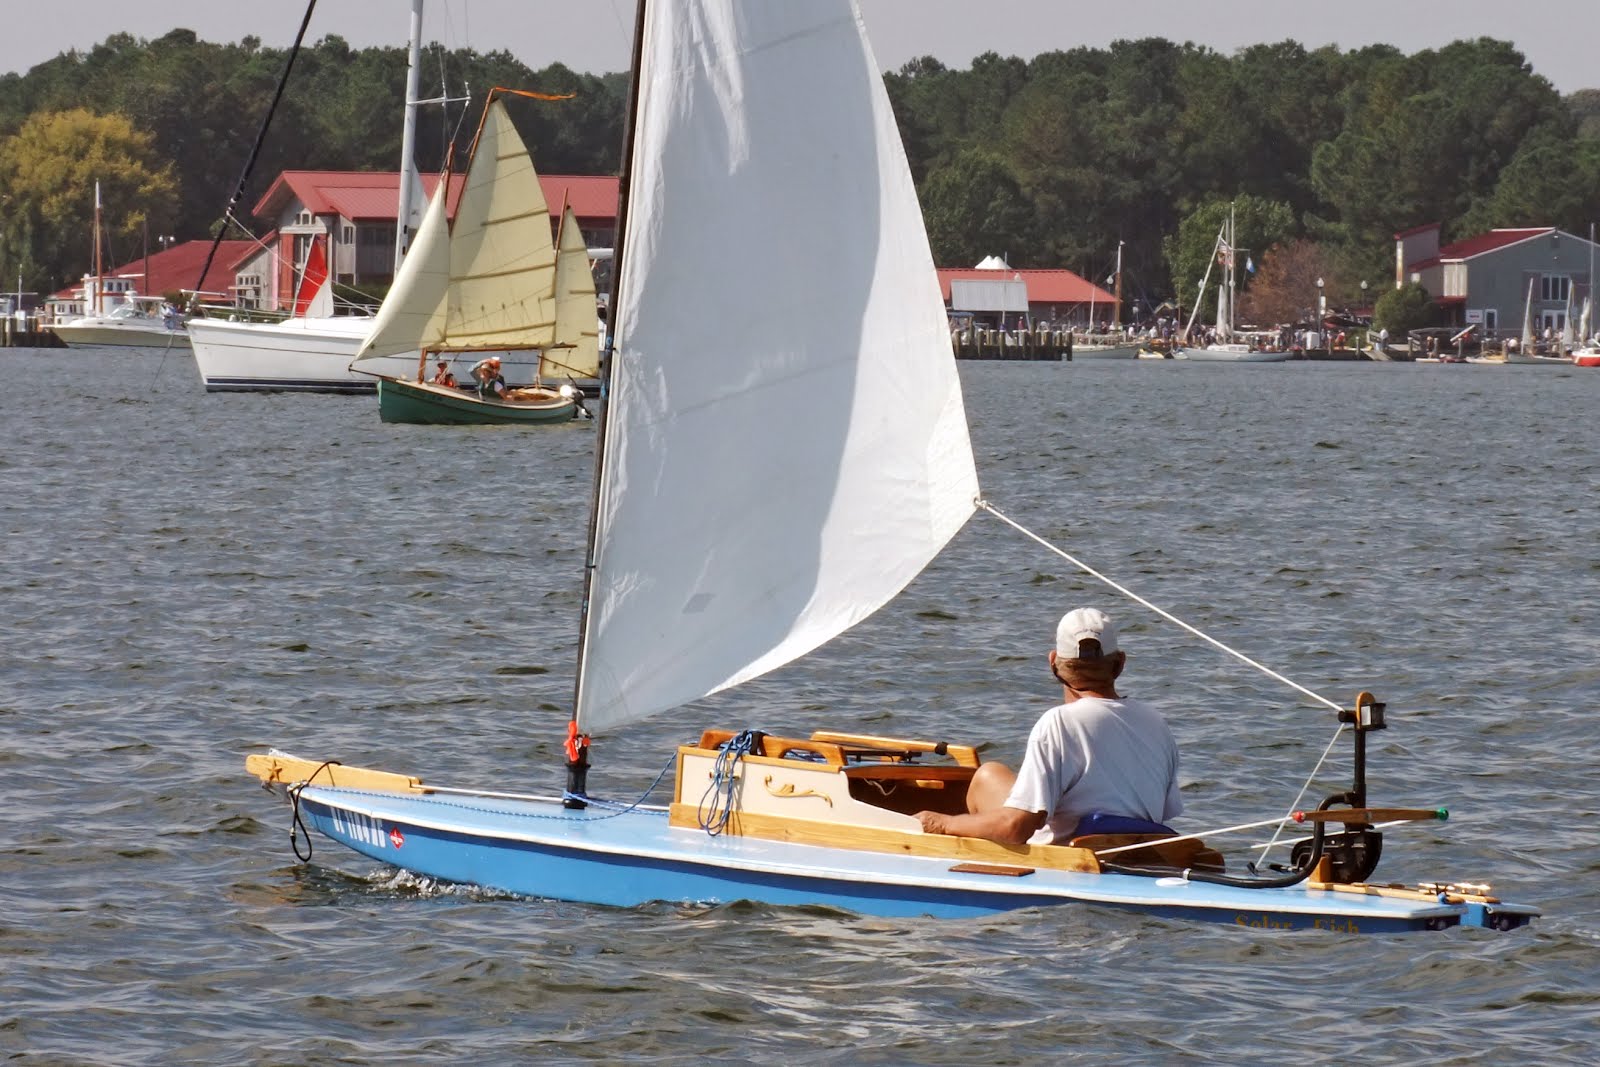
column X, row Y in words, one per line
column 1042, row 295
column 1486, row 279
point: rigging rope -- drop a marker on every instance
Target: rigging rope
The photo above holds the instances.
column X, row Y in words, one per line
column 1131, row 595
column 1269, row 672
column 255, row 151
column 1301, row 795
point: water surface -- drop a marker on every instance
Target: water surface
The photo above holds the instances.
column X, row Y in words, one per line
column 191, row 577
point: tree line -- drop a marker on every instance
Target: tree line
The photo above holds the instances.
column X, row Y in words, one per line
column 1321, row 154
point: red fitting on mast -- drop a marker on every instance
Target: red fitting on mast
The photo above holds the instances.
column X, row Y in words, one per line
column 576, row 743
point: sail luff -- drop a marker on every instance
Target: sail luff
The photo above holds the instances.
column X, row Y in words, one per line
column 607, row 357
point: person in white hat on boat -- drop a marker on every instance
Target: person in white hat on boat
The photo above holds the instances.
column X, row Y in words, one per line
column 1097, row 754
column 491, row 384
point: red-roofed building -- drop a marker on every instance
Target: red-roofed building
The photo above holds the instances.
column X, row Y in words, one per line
column 1486, row 280
column 169, row 271
column 1043, row 295
column 357, row 210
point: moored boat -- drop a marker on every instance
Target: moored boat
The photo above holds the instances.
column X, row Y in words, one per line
column 137, row 322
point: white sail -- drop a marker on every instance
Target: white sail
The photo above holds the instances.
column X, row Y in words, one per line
column 576, row 352
column 412, row 313
column 1567, row 325
column 786, row 446
column 1527, row 322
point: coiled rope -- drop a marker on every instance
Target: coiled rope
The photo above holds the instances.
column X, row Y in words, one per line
column 716, row 804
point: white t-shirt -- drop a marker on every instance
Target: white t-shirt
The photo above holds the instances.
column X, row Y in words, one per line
column 1115, row 756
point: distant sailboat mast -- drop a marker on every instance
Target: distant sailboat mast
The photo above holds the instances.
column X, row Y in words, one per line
column 1200, row 298
column 94, row 307
column 405, row 208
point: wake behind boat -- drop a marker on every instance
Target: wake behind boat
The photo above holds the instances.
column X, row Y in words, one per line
column 739, row 523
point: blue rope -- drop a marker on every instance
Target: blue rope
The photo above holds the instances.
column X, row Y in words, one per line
column 620, row 809
column 716, row 804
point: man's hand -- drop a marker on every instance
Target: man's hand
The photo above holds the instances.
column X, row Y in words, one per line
column 933, row 822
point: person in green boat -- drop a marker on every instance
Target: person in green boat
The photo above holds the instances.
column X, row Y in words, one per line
column 1097, row 758
column 491, row 385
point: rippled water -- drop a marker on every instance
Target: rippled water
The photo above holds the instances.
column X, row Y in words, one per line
column 190, row 577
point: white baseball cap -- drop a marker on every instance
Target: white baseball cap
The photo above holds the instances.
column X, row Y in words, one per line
column 1085, row 624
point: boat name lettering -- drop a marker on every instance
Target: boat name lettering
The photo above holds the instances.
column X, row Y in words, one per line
column 1263, row 922
column 360, row 827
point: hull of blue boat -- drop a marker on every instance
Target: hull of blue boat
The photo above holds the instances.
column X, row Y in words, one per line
column 631, row 858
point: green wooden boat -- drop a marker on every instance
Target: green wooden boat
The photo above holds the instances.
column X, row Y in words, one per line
column 421, row 402
column 494, row 279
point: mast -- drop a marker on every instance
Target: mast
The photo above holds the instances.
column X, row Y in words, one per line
column 94, row 308
column 1591, row 304
column 408, row 136
column 1233, row 237
column 1200, row 299
column 1116, row 319
column 577, row 745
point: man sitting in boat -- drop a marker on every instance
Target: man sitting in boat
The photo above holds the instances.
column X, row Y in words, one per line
column 1098, row 753
column 443, row 376
column 486, row 372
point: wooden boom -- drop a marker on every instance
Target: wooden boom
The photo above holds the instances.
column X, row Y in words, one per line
column 1361, row 816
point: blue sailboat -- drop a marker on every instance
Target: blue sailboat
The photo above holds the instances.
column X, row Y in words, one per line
column 764, row 484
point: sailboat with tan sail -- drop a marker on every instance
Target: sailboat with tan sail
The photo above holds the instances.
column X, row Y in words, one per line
column 492, row 281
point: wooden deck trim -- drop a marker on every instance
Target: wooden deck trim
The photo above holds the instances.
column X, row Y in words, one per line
column 963, row 755
column 876, row 839
column 1402, row 892
column 289, row 770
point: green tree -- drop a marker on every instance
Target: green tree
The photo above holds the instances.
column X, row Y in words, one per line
column 1550, row 182
column 1258, row 225
column 48, row 172
column 973, row 208
column 1426, row 137
column 1585, row 107
column 1406, row 308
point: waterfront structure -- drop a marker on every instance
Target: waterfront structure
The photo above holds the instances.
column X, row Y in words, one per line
column 990, row 294
column 1484, row 280
column 170, row 271
column 356, row 211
